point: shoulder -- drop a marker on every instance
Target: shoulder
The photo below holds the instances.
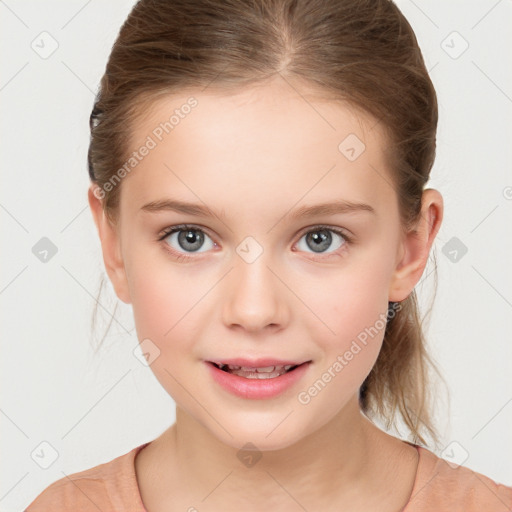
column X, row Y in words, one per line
column 444, row 486
column 108, row 486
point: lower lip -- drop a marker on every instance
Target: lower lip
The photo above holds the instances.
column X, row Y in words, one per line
column 257, row 388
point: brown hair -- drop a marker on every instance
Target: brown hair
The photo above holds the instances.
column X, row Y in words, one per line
column 361, row 51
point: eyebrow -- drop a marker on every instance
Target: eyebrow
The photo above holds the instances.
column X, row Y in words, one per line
column 199, row 210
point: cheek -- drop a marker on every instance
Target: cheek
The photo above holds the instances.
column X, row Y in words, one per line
column 347, row 337
column 166, row 308
column 350, row 316
column 350, row 299
column 163, row 298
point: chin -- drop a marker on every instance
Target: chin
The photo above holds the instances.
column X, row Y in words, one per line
column 252, row 441
column 272, row 434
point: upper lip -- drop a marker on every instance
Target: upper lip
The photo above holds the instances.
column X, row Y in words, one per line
column 257, row 363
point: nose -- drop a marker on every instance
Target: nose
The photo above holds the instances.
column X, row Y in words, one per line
column 254, row 297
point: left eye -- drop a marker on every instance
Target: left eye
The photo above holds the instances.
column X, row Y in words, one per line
column 320, row 239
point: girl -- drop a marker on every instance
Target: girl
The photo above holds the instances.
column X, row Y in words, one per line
column 258, row 173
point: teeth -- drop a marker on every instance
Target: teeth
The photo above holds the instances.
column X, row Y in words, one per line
column 263, row 369
column 249, row 372
column 257, row 375
column 266, row 369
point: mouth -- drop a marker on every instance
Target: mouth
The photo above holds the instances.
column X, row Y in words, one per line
column 257, row 379
column 269, row 371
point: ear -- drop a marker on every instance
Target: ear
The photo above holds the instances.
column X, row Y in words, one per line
column 110, row 244
column 416, row 245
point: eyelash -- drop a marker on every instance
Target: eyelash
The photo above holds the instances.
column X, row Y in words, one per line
column 183, row 227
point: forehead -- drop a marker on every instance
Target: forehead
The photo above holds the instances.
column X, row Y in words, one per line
column 272, row 144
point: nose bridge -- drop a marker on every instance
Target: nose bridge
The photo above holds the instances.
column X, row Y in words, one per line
column 253, row 294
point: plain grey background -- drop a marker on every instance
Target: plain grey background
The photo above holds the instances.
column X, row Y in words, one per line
column 65, row 409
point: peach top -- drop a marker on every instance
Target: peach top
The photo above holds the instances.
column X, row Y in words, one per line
column 112, row 487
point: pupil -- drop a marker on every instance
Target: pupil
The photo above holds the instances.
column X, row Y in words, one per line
column 192, row 237
column 322, row 241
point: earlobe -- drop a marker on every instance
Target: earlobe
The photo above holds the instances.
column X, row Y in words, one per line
column 416, row 246
column 110, row 246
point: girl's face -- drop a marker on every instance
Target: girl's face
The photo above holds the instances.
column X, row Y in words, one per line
column 258, row 277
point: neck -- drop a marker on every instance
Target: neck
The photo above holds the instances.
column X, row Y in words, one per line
column 336, row 462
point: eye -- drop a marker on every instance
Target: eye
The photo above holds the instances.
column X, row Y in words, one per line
column 186, row 239
column 183, row 240
column 320, row 238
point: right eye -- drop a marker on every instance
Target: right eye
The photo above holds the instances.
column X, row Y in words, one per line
column 185, row 239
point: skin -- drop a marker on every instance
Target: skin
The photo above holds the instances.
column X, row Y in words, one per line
column 255, row 156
